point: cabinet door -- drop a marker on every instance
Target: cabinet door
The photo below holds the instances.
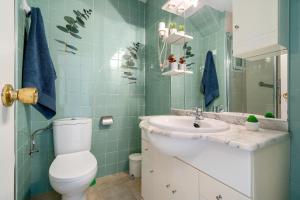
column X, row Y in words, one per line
column 147, row 171
column 211, row 189
column 255, row 25
column 162, row 166
column 184, row 181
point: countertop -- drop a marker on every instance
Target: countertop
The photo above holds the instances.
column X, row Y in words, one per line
column 237, row 136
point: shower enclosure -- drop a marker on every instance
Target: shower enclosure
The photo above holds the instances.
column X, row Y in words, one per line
column 257, row 86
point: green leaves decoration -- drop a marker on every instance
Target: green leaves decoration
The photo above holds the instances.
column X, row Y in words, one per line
column 72, row 28
column 62, row 29
column 71, row 47
column 188, row 53
column 130, row 58
column 60, row 41
column 80, row 22
column 76, row 36
column 70, row 20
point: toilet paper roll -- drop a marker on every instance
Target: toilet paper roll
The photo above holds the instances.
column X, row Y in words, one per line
column 107, row 120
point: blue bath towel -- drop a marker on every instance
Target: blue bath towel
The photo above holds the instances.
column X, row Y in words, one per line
column 209, row 83
column 38, row 69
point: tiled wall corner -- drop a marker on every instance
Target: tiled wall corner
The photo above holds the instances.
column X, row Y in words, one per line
column 294, row 97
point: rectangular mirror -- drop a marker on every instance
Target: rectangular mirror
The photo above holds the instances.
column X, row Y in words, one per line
column 257, row 85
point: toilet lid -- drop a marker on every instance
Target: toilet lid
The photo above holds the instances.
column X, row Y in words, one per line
column 71, row 166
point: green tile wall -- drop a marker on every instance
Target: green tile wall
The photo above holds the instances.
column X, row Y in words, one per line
column 294, row 97
column 89, row 84
column 22, row 118
column 158, row 87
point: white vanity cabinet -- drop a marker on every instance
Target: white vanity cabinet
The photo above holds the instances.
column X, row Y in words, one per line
column 147, row 171
column 211, row 189
column 184, row 181
column 170, row 178
column 260, row 28
column 167, row 178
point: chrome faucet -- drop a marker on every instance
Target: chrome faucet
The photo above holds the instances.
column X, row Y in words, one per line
column 198, row 117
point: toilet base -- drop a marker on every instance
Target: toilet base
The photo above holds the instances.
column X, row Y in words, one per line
column 78, row 196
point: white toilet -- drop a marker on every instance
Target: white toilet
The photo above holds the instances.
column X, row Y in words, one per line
column 74, row 167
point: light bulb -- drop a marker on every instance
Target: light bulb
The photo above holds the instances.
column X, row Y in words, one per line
column 194, row 3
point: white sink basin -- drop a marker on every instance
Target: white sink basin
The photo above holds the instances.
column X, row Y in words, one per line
column 177, row 135
column 185, row 124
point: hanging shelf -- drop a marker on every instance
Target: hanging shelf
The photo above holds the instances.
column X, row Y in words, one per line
column 176, row 72
column 179, row 7
column 178, row 39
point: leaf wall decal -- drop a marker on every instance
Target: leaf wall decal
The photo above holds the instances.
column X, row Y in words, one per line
column 70, row 20
column 71, row 47
column 60, row 41
column 84, row 16
column 80, row 22
column 75, row 35
column 62, row 29
column 70, row 52
column 128, row 73
column 72, row 28
column 77, row 13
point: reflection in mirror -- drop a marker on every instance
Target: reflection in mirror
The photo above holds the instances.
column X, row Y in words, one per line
column 256, row 86
column 259, row 86
column 208, row 28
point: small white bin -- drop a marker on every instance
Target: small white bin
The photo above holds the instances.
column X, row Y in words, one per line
column 135, row 161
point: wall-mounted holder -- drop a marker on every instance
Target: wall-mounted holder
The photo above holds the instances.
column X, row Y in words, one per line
column 33, row 147
column 24, row 95
column 106, row 120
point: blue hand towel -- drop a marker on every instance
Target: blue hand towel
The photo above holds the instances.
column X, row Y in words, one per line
column 209, row 83
column 38, row 69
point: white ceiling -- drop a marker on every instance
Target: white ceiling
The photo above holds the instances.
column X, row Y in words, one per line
column 222, row 5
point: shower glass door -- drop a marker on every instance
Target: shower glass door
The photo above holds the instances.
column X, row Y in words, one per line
column 257, row 86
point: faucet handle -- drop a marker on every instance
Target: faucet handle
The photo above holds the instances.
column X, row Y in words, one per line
column 219, row 108
column 196, row 111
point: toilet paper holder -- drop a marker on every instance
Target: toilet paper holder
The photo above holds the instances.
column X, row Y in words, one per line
column 106, row 120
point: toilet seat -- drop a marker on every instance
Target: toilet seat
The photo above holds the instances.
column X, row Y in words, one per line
column 72, row 167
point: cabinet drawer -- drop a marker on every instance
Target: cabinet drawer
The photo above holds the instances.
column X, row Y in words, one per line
column 211, row 189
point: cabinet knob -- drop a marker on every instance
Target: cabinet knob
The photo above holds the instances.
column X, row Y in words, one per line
column 236, row 26
column 174, row 191
column 167, row 186
column 146, row 149
column 219, row 197
column 151, row 171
